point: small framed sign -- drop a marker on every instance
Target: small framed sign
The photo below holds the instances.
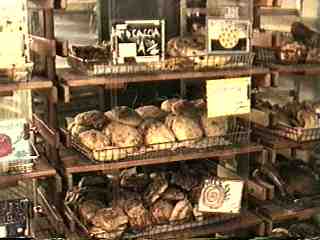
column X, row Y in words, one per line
column 221, row 196
column 228, row 36
column 143, row 41
column 226, row 97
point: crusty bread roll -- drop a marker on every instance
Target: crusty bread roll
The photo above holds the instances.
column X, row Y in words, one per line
column 182, row 211
column 124, row 115
column 184, row 128
column 94, row 140
column 94, row 118
column 124, row 135
column 167, row 104
column 150, row 111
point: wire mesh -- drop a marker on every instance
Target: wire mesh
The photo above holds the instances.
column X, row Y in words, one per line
column 280, row 131
column 173, row 228
column 268, row 57
column 174, row 64
column 238, row 134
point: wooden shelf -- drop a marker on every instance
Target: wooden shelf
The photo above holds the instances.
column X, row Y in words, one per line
column 42, row 169
column 72, row 78
column 278, row 213
column 74, row 162
column 280, row 143
column 306, row 69
column 193, row 11
column 245, row 221
column 275, row 11
column 35, row 83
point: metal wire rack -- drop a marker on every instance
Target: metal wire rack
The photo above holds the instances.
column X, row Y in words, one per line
column 238, row 134
column 296, row 134
column 268, row 57
column 152, row 231
column 174, row 64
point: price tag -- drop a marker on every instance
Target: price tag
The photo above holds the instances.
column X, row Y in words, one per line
column 221, row 196
column 231, row 12
column 227, row 97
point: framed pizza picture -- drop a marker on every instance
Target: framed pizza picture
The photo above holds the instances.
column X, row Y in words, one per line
column 139, row 41
column 228, row 36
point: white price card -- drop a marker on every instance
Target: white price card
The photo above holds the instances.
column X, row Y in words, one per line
column 221, row 196
column 227, row 97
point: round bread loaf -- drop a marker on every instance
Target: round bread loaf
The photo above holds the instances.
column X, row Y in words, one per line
column 94, row 140
column 93, row 118
column 150, row 111
column 184, row 128
column 124, row 115
column 123, row 135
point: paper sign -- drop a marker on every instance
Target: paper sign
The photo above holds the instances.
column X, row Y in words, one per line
column 221, row 196
column 142, row 40
column 228, row 97
column 21, row 149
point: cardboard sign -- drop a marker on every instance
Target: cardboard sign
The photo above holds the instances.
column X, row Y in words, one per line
column 227, row 97
column 221, row 196
column 143, row 41
column 228, row 36
column 20, row 149
column 13, row 33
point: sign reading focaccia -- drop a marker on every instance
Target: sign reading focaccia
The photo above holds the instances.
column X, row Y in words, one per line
column 228, row 36
column 221, row 196
column 141, row 41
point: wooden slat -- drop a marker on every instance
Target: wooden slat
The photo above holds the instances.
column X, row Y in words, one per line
column 274, row 11
column 75, row 79
column 43, row 4
column 256, row 190
column 43, row 46
column 306, row 69
column 42, row 169
column 62, row 48
column 244, row 221
column 76, row 163
column 50, row 136
column 278, row 213
column 35, row 83
column 47, row 4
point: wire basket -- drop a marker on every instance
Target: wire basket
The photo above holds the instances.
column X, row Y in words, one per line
column 174, row 64
column 280, row 131
column 153, row 231
column 268, row 57
column 238, row 134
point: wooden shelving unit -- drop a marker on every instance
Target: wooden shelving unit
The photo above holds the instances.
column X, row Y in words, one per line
column 274, row 212
column 74, row 162
column 75, row 79
column 35, row 84
column 42, row 169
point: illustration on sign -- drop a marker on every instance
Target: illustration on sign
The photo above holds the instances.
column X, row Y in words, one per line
column 13, row 148
column 221, row 196
column 228, row 36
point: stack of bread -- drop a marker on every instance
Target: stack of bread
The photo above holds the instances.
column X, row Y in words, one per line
column 123, row 132
column 148, row 200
